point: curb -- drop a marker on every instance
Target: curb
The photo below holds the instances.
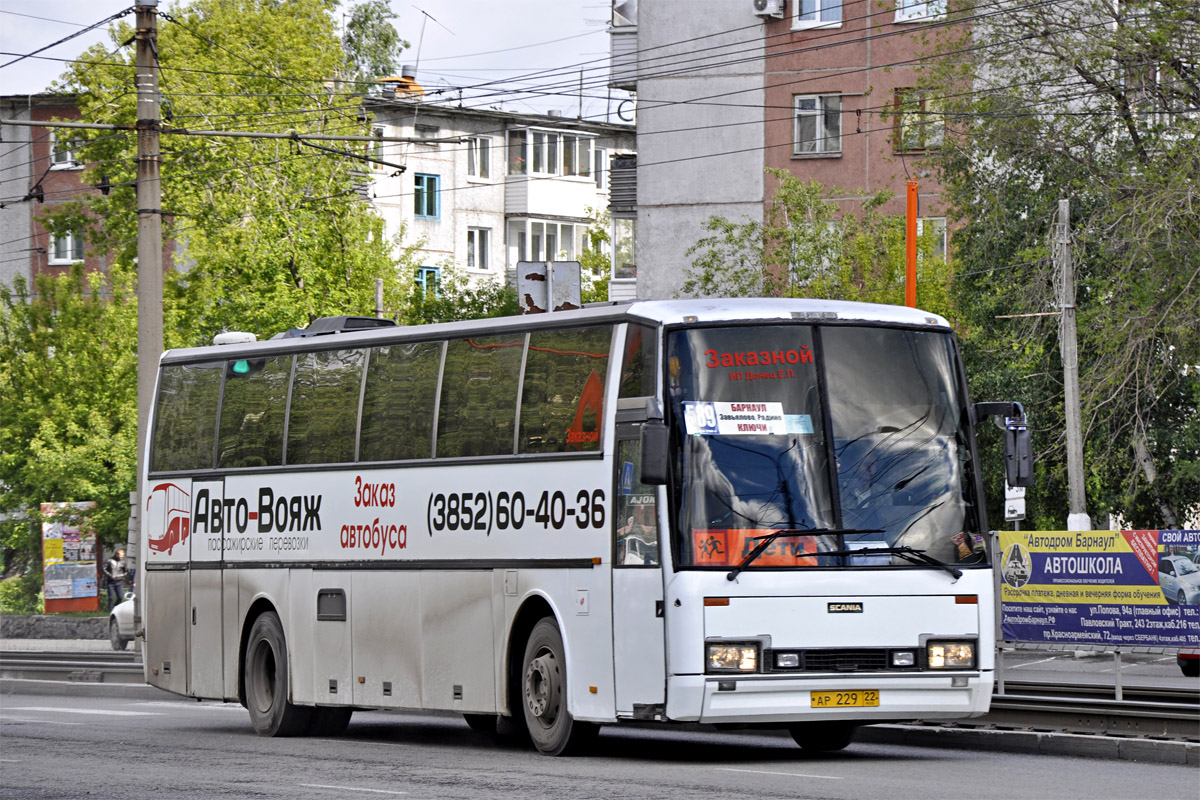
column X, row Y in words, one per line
column 1113, row 748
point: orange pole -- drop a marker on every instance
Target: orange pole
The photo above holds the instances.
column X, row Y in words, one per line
column 910, row 271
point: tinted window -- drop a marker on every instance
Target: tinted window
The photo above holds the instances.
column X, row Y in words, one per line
column 397, row 412
column 563, row 393
column 479, row 396
column 324, row 408
column 898, row 434
column 637, row 364
column 185, row 418
column 252, row 412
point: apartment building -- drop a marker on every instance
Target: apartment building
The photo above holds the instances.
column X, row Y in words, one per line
column 479, row 190
column 729, row 89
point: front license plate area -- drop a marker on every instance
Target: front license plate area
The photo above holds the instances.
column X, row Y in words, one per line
column 858, row 698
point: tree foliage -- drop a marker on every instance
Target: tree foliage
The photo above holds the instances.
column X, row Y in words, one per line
column 268, row 233
column 810, row 246
column 1098, row 107
column 372, row 45
column 68, row 376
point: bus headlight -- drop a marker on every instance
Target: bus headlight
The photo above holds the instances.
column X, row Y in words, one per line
column 732, row 657
column 950, row 655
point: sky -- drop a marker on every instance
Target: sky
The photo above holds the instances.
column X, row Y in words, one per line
column 461, row 43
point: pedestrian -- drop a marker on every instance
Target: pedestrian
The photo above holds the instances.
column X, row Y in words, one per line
column 115, row 574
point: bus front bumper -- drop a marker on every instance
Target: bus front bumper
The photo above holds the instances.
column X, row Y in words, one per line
column 784, row 699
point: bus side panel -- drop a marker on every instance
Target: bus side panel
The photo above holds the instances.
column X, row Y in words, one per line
column 589, row 644
column 458, row 659
column 165, row 595
column 385, row 621
column 324, row 615
column 204, row 637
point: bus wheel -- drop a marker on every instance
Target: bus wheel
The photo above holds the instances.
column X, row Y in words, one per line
column 329, row 721
column 823, row 737
column 481, row 723
column 544, row 692
column 266, row 678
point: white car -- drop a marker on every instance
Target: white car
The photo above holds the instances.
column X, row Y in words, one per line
column 1179, row 580
column 120, row 623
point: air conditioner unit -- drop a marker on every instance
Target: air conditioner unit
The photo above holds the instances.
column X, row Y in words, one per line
column 769, row 8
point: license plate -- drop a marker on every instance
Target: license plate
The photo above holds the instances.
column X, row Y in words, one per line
column 857, row 698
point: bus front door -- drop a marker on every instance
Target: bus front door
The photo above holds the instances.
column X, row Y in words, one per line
column 639, row 660
column 205, row 578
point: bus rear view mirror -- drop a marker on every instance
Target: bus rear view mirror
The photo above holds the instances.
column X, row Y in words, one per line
column 655, row 447
column 1018, row 454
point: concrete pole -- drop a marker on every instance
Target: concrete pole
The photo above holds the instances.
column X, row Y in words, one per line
column 150, row 266
column 1077, row 518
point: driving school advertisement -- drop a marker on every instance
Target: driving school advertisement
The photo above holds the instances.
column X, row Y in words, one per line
column 1107, row 588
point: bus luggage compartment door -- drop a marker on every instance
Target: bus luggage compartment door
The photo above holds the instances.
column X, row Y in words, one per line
column 204, row 613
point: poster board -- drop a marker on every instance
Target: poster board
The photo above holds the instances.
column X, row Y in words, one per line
column 1108, row 589
column 70, row 573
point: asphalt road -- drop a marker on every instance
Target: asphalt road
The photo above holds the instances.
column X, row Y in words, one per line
column 99, row 746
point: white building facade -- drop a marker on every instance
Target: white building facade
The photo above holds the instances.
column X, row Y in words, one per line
column 477, row 190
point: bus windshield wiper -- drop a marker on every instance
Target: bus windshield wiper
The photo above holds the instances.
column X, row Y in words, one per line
column 909, row 554
column 765, row 541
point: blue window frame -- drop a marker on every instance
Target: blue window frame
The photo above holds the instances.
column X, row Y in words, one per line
column 429, row 279
column 425, row 196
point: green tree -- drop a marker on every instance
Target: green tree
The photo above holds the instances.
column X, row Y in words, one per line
column 372, row 45
column 69, row 425
column 267, row 234
column 810, row 246
column 1096, row 106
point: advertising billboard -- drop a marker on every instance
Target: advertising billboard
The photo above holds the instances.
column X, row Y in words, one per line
column 69, row 571
column 1105, row 588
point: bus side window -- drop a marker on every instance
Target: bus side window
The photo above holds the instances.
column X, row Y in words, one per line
column 638, row 377
column 563, row 395
column 636, row 528
column 398, row 403
column 251, row 433
column 185, row 417
column 324, row 409
column 479, row 396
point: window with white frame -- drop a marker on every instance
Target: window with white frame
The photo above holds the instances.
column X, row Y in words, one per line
column 577, row 155
column 544, row 153
column 600, row 171
column 818, row 129
column 479, row 157
column 62, row 152
column 542, row 240
column 919, row 123
column 818, row 14
column 66, row 248
column 425, row 196
column 518, row 142
column 478, row 245
column 936, row 227
column 920, row 10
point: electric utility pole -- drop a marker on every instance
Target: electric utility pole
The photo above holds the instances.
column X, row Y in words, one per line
column 150, row 266
column 1077, row 518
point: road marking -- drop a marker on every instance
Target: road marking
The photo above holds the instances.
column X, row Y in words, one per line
column 788, row 774
column 40, row 721
column 89, row 711
column 349, row 788
column 1031, row 663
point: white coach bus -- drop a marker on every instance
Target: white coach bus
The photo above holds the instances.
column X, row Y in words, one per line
column 744, row 512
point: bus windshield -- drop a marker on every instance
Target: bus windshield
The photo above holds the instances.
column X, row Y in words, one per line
column 859, row 431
